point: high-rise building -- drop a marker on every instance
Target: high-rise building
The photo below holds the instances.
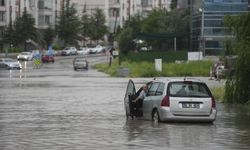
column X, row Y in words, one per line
column 208, row 31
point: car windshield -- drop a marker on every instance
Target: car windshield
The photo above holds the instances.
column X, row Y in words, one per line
column 188, row 89
column 25, row 53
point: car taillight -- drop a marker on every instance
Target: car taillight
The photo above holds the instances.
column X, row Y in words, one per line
column 165, row 101
column 213, row 103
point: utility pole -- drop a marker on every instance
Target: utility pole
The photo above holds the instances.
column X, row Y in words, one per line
column 191, row 25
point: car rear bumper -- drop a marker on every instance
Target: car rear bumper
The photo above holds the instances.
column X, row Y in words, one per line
column 167, row 116
column 80, row 66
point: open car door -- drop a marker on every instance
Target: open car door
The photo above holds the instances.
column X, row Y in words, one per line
column 130, row 93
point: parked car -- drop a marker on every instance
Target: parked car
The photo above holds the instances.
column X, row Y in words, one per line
column 83, row 51
column 97, row 49
column 173, row 100
column 9, row 63
column 69, row 51
column 80, row 63
column 26, row 56
column 48, row 58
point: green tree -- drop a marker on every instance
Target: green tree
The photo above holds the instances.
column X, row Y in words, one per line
column 68, row 26
column 9, row 35
column 85, row 24
column 173, row 4
column 134, row 23
column 98, row 28
column 237, row 86
column 166, row 26
column 24, row 29
column 48, row 36
column 126, row 43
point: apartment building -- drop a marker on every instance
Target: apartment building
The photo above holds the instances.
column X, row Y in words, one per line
column 118, row 11
column 208, row 31
column 45, row 12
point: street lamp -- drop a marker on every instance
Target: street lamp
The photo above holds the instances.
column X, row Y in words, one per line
column 202, row 39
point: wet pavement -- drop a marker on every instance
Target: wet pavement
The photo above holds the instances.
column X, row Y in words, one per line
column 57, row 108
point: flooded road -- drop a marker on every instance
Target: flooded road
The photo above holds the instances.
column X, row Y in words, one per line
column 57, row 108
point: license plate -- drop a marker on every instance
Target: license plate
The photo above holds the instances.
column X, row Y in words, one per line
column 190, row 105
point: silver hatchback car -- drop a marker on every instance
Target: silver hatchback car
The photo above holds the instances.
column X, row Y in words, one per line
column 80, row 63
column 9, row 63
column 177, row 100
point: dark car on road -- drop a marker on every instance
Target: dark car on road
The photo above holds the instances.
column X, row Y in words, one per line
column 80, row 63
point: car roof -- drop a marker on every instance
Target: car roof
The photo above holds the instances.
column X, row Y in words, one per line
column 166, row 79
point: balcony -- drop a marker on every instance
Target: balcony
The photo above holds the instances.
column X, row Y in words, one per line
column 147, row 7
column 45, row 12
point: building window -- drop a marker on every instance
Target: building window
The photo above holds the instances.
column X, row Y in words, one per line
column 2, row 16
column 47, row 20
column 45, row 4
column 1, row 34
column 2, row 2
column 44, row 20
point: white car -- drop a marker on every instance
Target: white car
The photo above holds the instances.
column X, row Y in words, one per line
column 9, row 63
column 69, row 51
column 83, row 51
column 26, row 56
column 97, row 49
column 175, row 100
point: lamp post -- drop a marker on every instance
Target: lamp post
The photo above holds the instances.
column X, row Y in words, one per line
column 202, row 39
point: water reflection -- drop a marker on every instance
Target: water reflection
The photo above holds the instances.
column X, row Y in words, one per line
column 240, row 119
column 174, row 135
column 88, row 113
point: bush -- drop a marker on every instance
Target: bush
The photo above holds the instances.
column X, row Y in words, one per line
column 125, row 42
column 150, row 56
column 57, row 47
column 147, row 69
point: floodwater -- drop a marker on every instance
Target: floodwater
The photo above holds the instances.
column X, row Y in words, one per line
column 57, row 109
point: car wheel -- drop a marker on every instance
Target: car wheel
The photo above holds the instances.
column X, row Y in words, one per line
column 155, row 117
column 75, row 68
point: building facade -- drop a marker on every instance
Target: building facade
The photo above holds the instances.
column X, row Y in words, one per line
column 208, row 33
column 45, row 12
column 118, row 11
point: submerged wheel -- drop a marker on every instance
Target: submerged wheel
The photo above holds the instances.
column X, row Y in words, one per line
column 155, row 116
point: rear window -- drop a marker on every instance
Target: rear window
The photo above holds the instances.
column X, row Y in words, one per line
column 79, row 60
column 188, row 89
